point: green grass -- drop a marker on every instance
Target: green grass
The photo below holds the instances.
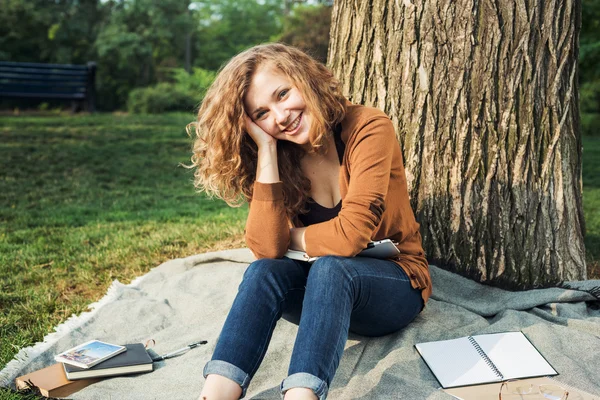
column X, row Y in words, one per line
column 88, row 199
column 591, row 203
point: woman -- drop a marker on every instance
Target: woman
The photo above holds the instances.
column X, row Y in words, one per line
column 321, row 175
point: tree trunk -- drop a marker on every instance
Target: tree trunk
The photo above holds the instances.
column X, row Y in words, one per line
column 485, row 101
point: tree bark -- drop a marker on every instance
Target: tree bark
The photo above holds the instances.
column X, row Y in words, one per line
column 484, row 97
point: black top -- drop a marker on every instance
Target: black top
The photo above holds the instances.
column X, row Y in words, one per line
column 316, row 212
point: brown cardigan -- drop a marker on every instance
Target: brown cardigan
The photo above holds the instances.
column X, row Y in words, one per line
column 375, row 203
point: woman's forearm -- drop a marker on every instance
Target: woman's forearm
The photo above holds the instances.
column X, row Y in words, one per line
column 267, row 229
column 267, row 170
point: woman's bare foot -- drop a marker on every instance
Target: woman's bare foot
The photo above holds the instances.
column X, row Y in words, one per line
column 300, row 394
column 218, row 387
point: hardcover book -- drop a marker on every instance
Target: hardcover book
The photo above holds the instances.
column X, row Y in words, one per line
column 52, row 381
column 135, row 360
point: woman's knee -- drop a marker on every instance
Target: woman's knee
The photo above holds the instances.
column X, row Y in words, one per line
column 269, row 273
column 330, row 268
column 262, row 269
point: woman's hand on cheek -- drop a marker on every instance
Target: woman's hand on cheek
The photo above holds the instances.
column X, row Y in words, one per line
column 260, row 137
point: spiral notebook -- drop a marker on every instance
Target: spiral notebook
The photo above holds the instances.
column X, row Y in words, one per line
column 473, row 360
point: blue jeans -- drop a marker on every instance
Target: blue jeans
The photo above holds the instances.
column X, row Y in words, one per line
column 327, row 299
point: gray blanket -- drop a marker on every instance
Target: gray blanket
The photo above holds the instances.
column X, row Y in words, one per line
column 186, row 300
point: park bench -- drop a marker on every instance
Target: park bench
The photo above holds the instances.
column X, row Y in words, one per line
column 50, row 81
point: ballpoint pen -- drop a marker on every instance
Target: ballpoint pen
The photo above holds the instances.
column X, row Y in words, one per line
column 179, row 351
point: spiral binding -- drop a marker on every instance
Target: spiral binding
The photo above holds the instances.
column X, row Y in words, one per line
column 485, row 358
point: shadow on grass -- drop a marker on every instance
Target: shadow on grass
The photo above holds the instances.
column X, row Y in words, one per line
column 591, row 162
column 592, row 248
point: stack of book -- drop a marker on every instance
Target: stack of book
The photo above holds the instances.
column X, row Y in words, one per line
column 85, row 364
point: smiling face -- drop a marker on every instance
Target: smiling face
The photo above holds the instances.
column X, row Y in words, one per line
column 277, row 106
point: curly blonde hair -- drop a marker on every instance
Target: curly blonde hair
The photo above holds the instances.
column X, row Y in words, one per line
column 225, row 156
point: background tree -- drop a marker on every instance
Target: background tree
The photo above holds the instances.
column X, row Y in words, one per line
column 589, row 62
column 60, row 31
column 139, row 37
column 227, row 27
column 307, row 27
column 485, row 100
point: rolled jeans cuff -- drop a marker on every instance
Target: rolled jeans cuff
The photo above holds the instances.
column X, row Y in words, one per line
column 230, row 371
column 305, row 380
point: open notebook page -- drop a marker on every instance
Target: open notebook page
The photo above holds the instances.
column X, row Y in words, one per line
column 455, row 362
column 514, row 355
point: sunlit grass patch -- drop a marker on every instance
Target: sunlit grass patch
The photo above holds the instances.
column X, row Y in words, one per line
column 85, row 200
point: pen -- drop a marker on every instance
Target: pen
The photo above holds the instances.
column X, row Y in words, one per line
column 179, row 351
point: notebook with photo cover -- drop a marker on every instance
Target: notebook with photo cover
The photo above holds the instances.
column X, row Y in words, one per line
column 380, row 249
column 88, row 354
column 133, row 361
column 478, row 359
